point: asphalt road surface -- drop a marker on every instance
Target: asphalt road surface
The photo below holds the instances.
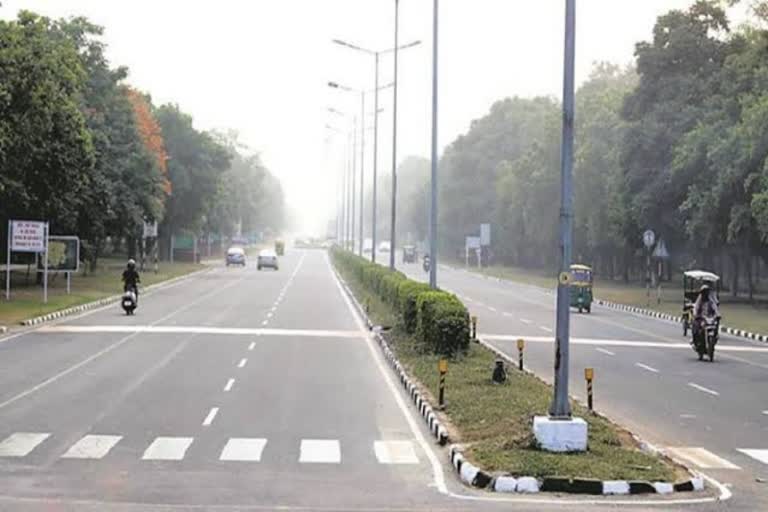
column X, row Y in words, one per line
column 241, row 389
column 713, row 416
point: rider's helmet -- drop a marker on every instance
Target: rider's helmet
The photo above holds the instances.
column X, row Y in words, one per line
column 131, row 263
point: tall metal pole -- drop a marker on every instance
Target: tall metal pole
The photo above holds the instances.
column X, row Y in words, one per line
column 349, row 203
column 392, row 238
column 560, row 407
column 375, row 158
column 362, row 168
column 433, row 195
column 353, row 190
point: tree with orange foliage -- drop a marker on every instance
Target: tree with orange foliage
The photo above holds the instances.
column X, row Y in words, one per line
column 150, row 133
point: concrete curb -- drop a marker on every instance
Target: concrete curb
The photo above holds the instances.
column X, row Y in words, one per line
column 3, row 329
column 101, row 302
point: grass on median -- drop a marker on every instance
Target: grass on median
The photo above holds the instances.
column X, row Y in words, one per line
column 494, row 422
column 740, row 315
column 27, row 298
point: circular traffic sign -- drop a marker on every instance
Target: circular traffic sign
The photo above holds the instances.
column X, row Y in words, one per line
column 564, row 278
column 649, row 238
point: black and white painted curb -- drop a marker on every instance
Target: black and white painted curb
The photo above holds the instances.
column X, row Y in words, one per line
column 98, row 303
column 3, row 329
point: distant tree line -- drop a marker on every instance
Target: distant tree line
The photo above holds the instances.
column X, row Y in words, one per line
column 677, row 143
column 83, row 150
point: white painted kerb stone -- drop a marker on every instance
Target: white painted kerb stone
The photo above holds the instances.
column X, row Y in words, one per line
column 560, row 435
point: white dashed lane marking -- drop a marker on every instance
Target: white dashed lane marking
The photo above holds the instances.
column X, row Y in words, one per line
column 646, row 367
column 229, row 385
column 525, row 321
column 211, row 415
column 606, row 352
column 91, row 447
column 252, row 345
column 702, row 388
column 21, row 443
column 546, row 329
column 242, row 363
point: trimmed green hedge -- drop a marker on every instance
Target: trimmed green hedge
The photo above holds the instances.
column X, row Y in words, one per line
column 438, row 319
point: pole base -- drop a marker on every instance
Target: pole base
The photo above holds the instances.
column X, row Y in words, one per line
column 560, row 435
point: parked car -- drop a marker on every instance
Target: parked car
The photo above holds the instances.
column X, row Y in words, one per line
column 235, row 256
column 267, row 258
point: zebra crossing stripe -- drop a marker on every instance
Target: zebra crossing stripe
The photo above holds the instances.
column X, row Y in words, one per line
column 167, row 448
column 322, row 451
column 92, row 447
column 21, row 444
column 759, row 455
column 243, row 449
column 395, row 452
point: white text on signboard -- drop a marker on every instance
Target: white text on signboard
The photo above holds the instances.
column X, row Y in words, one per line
column 27, row 236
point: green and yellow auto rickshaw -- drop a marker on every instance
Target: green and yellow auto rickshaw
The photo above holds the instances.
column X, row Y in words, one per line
column 581, row 288
column 279, row 247
column 693, row 280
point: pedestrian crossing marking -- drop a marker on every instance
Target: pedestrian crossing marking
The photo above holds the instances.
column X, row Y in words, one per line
column 321, row 451
column 168, row 448
column 21, row 444
column 395, row 452
column 92, row 447
column 759, row 455
column 243, row 449
column 701, row 457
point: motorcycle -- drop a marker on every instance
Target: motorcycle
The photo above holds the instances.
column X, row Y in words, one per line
column 706, row 339
column 130, row 300
column 425, row 264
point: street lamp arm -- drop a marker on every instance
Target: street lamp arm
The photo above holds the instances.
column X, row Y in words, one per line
column 401, row 47
column 353, row 46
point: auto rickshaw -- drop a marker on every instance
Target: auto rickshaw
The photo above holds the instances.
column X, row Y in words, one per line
column 581, row 287
column 279, row 247
column 693, row 280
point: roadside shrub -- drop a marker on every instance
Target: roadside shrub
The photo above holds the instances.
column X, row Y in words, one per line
column 407, row 293
column 388, row 288
column 443, row 323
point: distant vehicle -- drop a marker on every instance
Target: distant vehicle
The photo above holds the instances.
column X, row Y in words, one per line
column 129, row 302
column 367, row 245
column 279, row 247
column 581, row 287
column 267, row 258
column 409, row 254
column 235, row 256
column 692, row 283
column 385, row 246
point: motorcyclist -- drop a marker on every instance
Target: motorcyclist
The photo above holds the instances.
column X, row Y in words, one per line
column 705, row 307
column 131, row 278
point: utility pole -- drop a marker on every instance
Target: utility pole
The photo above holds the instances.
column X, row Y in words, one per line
column 433, row 202
column 393, row 227
column 362, row 168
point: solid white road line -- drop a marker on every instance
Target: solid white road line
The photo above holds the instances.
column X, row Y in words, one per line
column 242, row 363
column 702, row 388
column 91, row 447
column 229, row 385
column 701, row 458
column 759, row 455
column 320, row 451
column 252, row 345
column 21, row 443
column 646, row 367
column 167, row 448
column 211, row 415
column 395, row 452
column 243, row 449
column 180, row 329
column 607, row 352
column 547, row 329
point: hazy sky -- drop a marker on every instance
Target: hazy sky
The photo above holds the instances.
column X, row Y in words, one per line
column 261, row 67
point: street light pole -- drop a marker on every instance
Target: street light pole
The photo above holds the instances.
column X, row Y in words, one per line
column 375, row 157
column 560, row 407
column 433, row 202
column 362, row 167
column 353, row 190
column 392, row 239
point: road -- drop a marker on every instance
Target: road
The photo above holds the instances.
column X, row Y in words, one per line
column 712, row 415
column 233, row 390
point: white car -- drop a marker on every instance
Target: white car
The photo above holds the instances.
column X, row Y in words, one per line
column 267, row 258
column 235, row 256
column 385, row 246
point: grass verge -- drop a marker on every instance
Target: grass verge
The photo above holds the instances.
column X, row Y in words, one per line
column 27, row 298
column 740, row 315
column 494, row 422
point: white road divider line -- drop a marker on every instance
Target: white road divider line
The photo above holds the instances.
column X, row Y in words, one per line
column 242, row 363
column 21, row 443
column 91, row 447
column 229, row 385
column 646, row 367
column 759, row 455
column 167, row 448
column 395, row 452
column 320, row 451
column 243, row 449
column 211, row 415
column 252, row 345
column 606, row 352
column 701, row 457
column 702, row 388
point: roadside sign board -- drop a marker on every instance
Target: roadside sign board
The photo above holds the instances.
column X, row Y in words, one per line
column 485, row 234
column 661, row 251
column 63, row 253
column 28, row 236
column 473, row 242
column 150, row 229
column 649, row 238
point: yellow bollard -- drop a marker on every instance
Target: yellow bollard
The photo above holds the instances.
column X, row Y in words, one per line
column 589, row 374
